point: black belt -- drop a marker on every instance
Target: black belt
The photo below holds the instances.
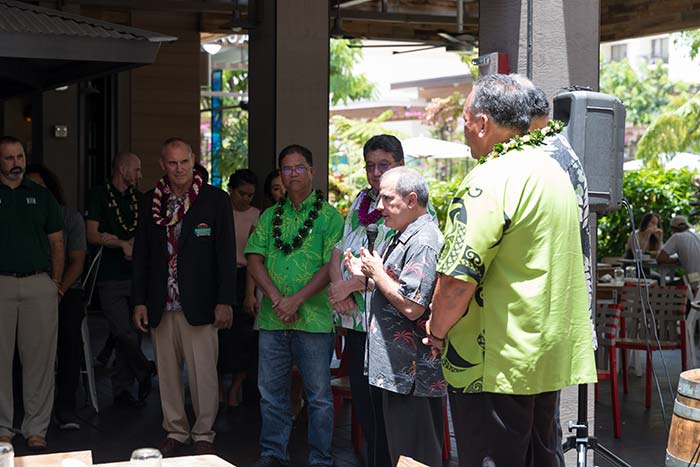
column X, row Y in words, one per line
column 20, row 275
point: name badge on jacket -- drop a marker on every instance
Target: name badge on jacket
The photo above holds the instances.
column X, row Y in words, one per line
column 202, row 230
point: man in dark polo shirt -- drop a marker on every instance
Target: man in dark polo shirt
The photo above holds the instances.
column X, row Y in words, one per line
column 112, row 220
column 31, row 243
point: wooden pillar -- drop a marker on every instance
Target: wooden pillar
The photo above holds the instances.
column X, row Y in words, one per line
column 164, row 97
column 288, row 87
column 561, row 48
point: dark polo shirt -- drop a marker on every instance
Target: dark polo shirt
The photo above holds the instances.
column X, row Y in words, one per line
column 28, row 214
column 113, row 266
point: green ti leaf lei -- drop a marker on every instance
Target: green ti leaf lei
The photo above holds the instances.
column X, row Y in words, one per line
column 303, row 231
column 532, row 138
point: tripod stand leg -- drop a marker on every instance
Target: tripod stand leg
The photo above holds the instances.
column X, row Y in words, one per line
column 610, row 456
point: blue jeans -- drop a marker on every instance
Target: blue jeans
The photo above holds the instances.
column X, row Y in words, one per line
column 312, row 353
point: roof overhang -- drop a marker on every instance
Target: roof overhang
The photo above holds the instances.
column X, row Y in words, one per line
column 42, row 49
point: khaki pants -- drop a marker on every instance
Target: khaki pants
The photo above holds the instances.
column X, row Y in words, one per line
column 29, row 317
column 177, row 342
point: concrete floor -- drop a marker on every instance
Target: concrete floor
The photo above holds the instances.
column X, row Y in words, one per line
column 113, row 433
column 644, row 432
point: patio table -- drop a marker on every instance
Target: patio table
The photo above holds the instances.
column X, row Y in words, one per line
column 55, row 459
column 184, row 461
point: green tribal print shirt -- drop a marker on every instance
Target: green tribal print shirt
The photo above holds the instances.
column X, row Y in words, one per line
column 513, row 230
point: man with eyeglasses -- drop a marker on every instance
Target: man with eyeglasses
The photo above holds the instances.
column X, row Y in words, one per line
column 288, row 255
column 381, row 153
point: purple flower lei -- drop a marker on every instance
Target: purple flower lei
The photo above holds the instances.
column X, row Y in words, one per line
column 366, row 218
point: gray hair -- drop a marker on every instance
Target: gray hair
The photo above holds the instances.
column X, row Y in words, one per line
column 408, row 181
column 504, row 99
column 175, row 141
column 539, row 105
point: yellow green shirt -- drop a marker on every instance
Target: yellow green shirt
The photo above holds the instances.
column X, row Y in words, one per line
column 513, row 230
column 290, row 272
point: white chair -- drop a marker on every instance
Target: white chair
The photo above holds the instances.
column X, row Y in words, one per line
column 89, row 287
column 692, row 280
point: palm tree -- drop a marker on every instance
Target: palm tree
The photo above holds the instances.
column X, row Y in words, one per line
column 671, row 132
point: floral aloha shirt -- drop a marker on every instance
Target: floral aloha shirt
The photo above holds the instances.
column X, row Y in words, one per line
column 398, row 361
column 355, row 237
column 560, row 150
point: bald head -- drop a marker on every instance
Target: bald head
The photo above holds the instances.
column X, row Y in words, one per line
column 176, row 143
column 126, row 169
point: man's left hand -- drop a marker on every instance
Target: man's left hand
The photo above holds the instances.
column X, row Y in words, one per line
column 223, row 316
column 287, row 309
column 436, row 344
column 371, row 263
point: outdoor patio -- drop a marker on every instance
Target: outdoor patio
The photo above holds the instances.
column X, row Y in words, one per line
column 644, row 436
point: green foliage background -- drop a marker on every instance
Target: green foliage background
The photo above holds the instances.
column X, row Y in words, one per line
column 646, row 93
column 441, row 195
column 665, row 192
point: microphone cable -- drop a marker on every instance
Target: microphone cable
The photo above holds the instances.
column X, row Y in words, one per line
column 645, row 317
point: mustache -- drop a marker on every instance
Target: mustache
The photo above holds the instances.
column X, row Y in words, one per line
column 16, row 170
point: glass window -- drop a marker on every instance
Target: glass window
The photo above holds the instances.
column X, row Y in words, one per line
column 659, row 49
column 618, row 52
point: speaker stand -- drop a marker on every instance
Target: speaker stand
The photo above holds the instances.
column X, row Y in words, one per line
column 581, row 441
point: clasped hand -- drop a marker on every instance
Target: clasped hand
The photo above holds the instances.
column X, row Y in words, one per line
column 368, row 265
column 286, row 309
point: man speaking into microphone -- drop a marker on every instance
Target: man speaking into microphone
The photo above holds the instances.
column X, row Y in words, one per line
column 403, row 277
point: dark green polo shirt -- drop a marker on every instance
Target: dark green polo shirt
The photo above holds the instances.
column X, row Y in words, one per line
column 113, row 266
column 28, row 214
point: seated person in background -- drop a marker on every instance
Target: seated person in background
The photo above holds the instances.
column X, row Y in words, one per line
column 684, row 243
column 650, row 235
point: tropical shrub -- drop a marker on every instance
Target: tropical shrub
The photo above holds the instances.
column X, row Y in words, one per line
column 666, row 192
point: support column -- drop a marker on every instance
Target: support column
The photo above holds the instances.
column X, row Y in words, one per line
column 564, row 40
column 559, row 48
column 288, row 85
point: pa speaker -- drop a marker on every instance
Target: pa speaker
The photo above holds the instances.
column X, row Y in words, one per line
column 595, row 127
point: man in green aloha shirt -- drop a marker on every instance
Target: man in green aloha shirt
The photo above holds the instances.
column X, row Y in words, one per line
column 513, row 261
column 288, row 255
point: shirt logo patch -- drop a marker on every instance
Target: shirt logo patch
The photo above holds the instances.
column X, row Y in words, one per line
column 31, row 200
column 202, row 230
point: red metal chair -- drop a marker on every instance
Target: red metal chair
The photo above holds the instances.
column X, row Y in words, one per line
column 607, row 325
column 340, row 385
column 668, row 304
column 445, row 433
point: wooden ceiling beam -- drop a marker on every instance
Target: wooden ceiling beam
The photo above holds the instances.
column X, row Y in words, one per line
column 625, row 19
column 420, row 19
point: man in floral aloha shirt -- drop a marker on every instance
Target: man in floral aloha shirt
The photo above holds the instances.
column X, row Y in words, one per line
column 399, row 364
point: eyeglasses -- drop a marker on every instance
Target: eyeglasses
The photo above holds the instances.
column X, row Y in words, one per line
column 382, row 166
column 299, row 169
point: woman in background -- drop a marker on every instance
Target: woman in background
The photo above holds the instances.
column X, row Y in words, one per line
column 71, row 309
column 650, row 236
column 273, row 189
column 238, row 346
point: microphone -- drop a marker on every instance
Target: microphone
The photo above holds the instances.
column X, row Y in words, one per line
column 372, row 231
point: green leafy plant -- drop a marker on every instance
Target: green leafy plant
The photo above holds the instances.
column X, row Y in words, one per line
column 344, row 85
column 441, row 194
column 666, row 192
column 672, row 132
column 645, row 92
